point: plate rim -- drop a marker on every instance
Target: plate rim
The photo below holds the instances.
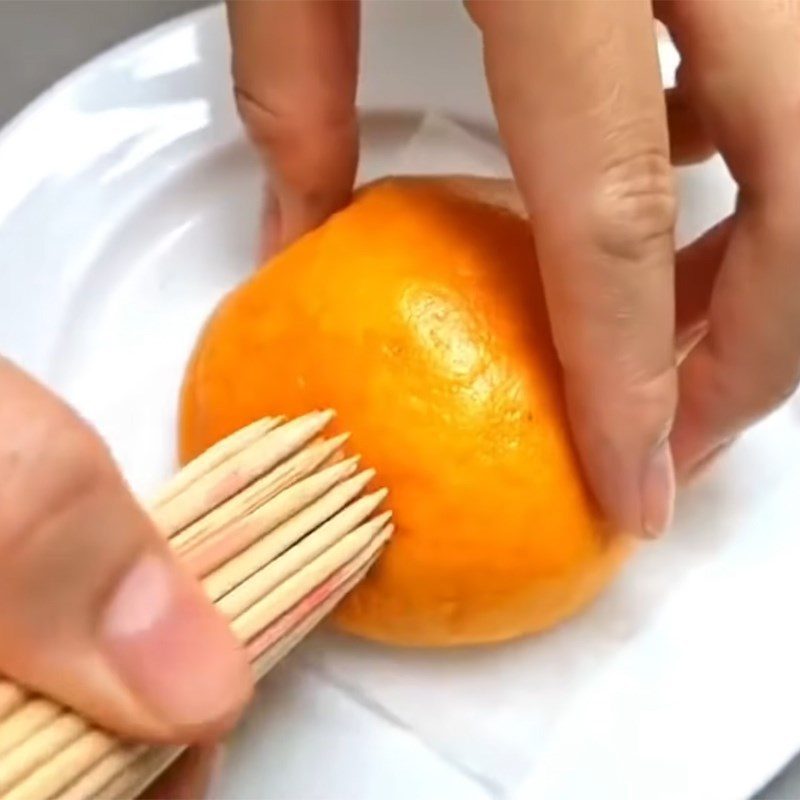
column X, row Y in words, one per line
column 11, row 127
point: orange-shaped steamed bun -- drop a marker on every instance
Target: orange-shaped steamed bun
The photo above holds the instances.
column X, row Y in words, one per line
column 417, row 315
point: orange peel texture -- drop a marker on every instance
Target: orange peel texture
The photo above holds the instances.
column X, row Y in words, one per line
column 416, row 313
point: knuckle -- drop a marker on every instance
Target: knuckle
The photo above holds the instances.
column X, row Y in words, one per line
column 274, row 120
column 313, row 146
column 635, row 204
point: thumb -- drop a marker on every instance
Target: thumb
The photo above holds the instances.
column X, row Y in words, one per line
column 94, row 610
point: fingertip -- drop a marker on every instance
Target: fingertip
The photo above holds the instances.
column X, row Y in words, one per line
column 622, row 435
column 174, row 651
column 694, row 447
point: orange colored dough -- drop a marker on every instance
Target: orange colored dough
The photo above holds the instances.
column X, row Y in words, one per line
column 417, row 315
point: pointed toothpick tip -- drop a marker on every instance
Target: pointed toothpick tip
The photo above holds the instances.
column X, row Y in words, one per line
column 358, row 481
column 374, row 499
column 327, row 447
column 314, row 421
column 383, row 518
column 339, row 440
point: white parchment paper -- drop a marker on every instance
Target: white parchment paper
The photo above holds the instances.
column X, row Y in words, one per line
column 681, row 681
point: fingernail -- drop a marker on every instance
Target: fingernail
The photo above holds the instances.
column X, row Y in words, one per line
column 172, row 649
column 658, row 492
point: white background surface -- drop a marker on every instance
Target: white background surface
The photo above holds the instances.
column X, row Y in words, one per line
column 679, row 683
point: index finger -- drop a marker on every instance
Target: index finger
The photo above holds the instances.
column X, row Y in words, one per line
column 579, row 101
column 294, row 70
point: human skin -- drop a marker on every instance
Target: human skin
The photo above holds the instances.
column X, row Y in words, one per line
column 94, row 610
column 580, row 108
column 582, row 114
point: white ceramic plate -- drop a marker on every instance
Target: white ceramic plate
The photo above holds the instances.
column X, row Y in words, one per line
column 128, row 201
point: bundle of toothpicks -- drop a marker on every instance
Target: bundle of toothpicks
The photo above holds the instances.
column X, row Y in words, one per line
column 275, row 524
